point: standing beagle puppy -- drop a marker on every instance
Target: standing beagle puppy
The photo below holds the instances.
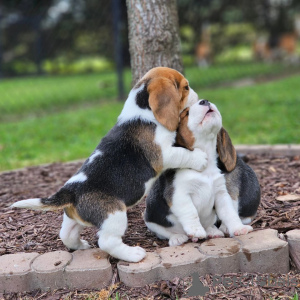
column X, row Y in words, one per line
column 185, row 203
column 124, row 165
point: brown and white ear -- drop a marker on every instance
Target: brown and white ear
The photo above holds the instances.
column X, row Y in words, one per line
column 184, row 137
column 226, row 150
column 164, row 102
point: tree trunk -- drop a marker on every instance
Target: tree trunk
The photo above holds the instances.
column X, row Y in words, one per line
column 153, row 36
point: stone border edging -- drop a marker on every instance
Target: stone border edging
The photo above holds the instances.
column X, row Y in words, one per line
column 53, row 270
column 281, row 149
column 254, row 252
column 293, row 238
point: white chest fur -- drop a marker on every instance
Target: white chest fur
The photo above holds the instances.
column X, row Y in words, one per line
column 201, row 187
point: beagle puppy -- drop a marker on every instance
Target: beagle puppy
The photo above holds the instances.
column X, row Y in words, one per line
column 241, row 183
column 121, row 170
column 185, row 203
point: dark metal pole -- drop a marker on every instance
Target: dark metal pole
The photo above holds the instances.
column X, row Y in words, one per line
column 38, row 43
column 1, row 49
column 116, row 12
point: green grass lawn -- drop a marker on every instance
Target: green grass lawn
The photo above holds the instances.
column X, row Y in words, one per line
column 39, row 95
column 34, row 96
column 219, row 74
column 262, row 114
column 58, row 137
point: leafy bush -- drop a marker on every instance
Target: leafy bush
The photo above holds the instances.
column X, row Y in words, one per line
column 233, row 54
column 83, row 65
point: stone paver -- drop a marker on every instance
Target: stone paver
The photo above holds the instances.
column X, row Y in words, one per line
column 89, row 269
column 264, row 252
column 259, row 251
column 141, row 273
column 181, row 261
column 223, row 255
column 293, row 238
column 49, row 269
column 16, row 272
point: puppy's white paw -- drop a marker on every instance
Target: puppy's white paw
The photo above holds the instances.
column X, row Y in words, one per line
column 199, row 160
column 195, row 232
column 224, row 229
column 243, row 230
column 136, row 254
column 178, row 239
column 246, row 221
column 84, row 245
column 213, row 232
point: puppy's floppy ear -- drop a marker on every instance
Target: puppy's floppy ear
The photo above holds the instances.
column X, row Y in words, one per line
column 226, row 150
column 164, row 101
column 184, row 137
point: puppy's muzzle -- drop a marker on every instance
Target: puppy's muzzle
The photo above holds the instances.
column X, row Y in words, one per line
column 204, row 102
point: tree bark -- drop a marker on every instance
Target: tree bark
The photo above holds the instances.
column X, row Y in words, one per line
column 153, row 36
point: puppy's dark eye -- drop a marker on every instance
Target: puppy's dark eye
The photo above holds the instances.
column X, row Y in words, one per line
column 186, row 87
column 187, row 113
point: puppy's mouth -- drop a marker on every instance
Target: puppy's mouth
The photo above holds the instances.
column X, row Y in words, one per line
column 209, row 111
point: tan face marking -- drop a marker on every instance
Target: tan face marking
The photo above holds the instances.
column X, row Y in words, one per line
column 185, row 137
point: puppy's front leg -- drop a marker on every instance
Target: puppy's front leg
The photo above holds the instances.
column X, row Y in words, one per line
column 177, row 157
column 227, row 213
column 185, row 211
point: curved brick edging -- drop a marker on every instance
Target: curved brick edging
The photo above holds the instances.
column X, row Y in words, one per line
column 59, row 269
column 259, row 251
column 293, row 238
column 254, row 252
column 280, row 149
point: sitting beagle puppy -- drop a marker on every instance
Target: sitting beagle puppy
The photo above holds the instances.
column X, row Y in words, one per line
column 185, row 203
column 121, row 170
column 241, row 182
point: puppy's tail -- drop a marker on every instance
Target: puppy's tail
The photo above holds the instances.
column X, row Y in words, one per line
column 61, row 199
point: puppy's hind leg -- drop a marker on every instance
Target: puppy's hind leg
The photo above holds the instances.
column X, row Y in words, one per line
column 110, row 238
column 70, row 234
column 175, row 239
column 247, row 221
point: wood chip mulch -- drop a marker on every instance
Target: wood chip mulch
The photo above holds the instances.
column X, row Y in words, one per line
column 32, row 231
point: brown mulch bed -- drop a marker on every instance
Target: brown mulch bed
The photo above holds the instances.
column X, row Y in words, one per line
column 32, row 231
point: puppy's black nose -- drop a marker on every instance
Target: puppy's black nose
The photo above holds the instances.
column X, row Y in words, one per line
column 204, row 102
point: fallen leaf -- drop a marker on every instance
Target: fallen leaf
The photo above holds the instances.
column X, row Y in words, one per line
column 280, row 184
column 103, row 294
column 282, row 193
column 288, row 197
